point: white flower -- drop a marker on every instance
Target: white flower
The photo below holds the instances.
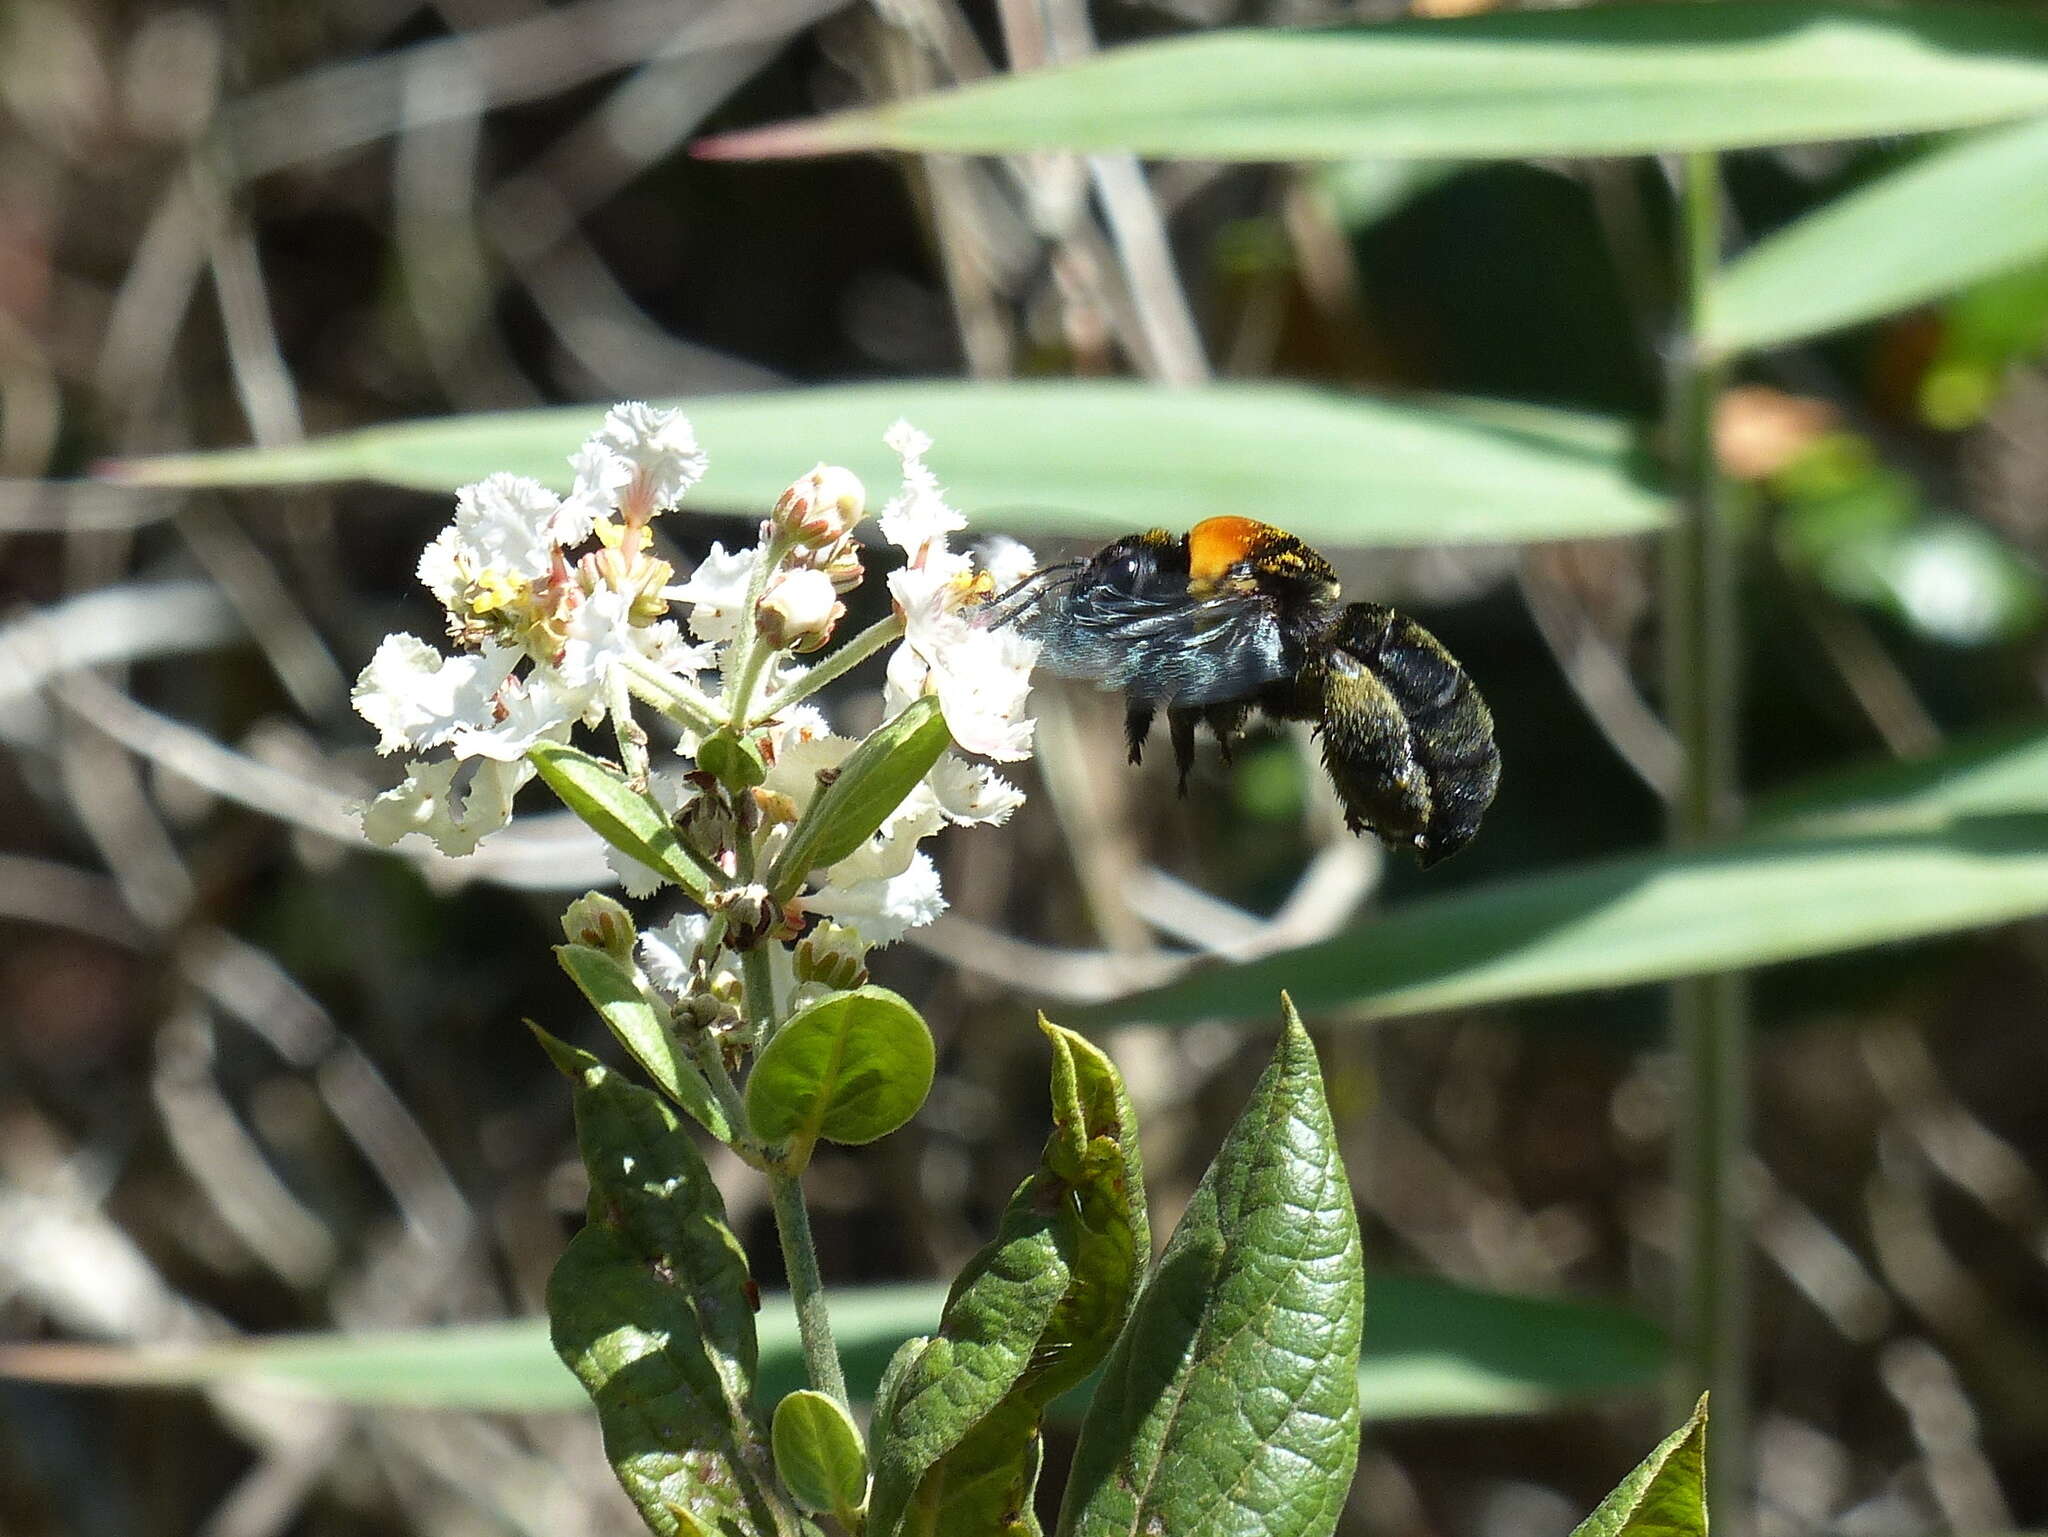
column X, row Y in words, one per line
column 426, row 802
column 659, row 447
column 536, row 708
column 981, row 676
column 1006, row 561
column 717, row 592
column 917, row 519
column 972, row 793
column 668, row 954
column 883, row 911
column 418, row 698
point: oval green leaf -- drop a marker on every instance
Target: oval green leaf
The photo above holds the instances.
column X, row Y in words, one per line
column 819, row 1454
column 1590, row 80
column 1230, row 1403
column 652, row 1308
column 956, row 1426
column 1089, row 459
column 873, row 781
column 1948, row 843
column 1967, row 211
column 850, row 1068
column 615, row 993
column 630, row 820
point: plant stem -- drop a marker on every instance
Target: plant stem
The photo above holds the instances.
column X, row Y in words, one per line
column 806, row 1286
column 740, row 680
column 1709, row 1014
column 670, row 695
column 837, row 665
column 792, row 1217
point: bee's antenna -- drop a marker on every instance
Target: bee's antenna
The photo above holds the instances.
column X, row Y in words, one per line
column 1011, row 604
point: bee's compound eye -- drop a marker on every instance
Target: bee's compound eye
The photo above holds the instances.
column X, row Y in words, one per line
column 1124, row 570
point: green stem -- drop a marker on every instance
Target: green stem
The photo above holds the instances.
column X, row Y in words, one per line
column 740, row 681
column 632, row 736
column 837, row 665
column 806, row 1286
column 670, row 695
column 1709, row 1014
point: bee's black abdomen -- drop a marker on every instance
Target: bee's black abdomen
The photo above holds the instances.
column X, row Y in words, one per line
column 1407, row 738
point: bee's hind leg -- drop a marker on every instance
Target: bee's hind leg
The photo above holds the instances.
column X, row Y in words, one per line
column 1137, row 726
column 1180, row 725
column 1227, row 721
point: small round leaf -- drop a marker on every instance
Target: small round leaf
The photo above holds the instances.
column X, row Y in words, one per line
column 819, row 1454
column 850, row 1068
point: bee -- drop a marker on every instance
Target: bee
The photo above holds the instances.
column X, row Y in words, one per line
column 1236, row 616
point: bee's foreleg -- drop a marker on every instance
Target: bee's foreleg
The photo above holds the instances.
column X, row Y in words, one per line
column 1180, row 724
column 1137, row 726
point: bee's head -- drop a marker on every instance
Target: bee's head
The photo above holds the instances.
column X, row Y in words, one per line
column 1138, row 565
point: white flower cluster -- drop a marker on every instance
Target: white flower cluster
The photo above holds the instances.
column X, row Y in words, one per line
column 550, row 634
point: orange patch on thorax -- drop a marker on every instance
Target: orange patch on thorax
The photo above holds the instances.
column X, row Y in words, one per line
column 1217, row 544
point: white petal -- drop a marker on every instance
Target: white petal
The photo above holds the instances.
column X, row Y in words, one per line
column 882, row 912
column 972, row 793
column 532, row 709
column 418, row 698
column 657, row 444
column 667, row 953
column 717, row 591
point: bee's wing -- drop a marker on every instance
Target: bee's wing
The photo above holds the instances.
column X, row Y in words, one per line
column 1170, row 650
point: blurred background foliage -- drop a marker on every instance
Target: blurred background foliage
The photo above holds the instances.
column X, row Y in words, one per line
column 254, row 1079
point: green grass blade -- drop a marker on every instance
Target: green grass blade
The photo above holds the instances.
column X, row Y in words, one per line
column 1947, row 844
column 1431, row 1348
column 1051, row 457
column 1591, row 80
column 1967, row 211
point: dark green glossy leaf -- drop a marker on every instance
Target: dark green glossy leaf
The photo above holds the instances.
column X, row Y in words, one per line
column 1950, row 843
column 630, row 820
column 632, row 1017
column 1091, row 459
column 956, row 1423
column 1229, row 1406
column 819, row 1454
column 1434, row 1349
column 1666, row 1495
column 873, row 781
column 849, row 1068
column 1964, row 212
column 1588, row 80
column 650, row 1307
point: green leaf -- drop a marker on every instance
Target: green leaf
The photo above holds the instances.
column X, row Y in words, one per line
column 1230, row 1404
column 819, row 1454
column 889, row 763
column 615, row 993
column 1435, row 1349
column 650, row 1307
column 1093, row 459
column 1966, row 211
column 1592, row 80
column 1956, row 842
column 956, row 1424
column 1666, row 1496
column 850, row 1068
column 630, row 820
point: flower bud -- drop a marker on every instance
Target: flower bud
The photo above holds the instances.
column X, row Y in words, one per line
column 749, row 914
column 821, row 508
column 799, row 610
column 598, row 921
column 832, row 955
